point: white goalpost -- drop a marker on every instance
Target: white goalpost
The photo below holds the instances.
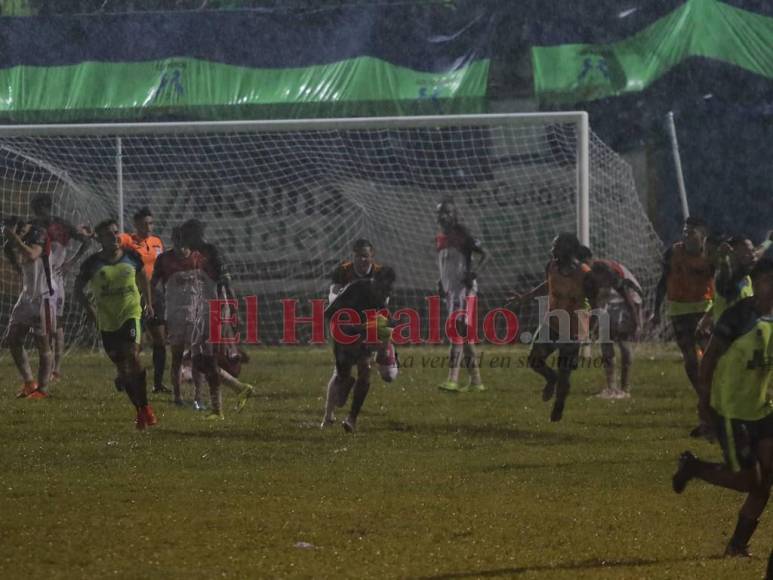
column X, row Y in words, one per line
column 286, row 199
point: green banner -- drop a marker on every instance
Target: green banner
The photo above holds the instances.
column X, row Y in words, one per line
column 203, row 89
column 701, row 28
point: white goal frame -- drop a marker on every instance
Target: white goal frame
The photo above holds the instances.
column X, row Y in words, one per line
column 578, row 118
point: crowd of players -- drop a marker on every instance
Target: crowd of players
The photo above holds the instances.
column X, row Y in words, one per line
column 719, row 297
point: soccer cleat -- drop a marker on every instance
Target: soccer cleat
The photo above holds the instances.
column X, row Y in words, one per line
column 199, row 406
column 56, row 376
column 608, row 394
column 479, row 388
column 349, row 424
column 149, row 415
column 244, row 396
column 139, row 420
column 27, row 389
column 450, row 387
column 161, row 388
column 327, row 422
column 214, row 416
column 687, row 469
column 548, row 391
column 621, row 394
column 38, row 394
column 558, row 410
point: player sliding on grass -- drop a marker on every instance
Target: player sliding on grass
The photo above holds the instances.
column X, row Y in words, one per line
column 733, row 384
column 688, row 282
column 182, row 274
column 60, row 234
column 115, row 279
column 26, row 246
column 455, row 247
column 569, row 288
column 359, row 284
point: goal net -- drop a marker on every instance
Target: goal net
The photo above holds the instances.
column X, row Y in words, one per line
column 284, row 201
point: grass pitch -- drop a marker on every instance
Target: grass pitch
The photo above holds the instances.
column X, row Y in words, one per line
column 432, row 486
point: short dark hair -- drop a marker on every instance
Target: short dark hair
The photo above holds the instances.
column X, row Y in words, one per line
column 142, row 213
column 106, row 223
column 697, row 222
column 361, row 244
column 192, row 233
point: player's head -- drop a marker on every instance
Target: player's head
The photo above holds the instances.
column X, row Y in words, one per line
column 565, row 247
column 192, row 233
column 362, row 256
column 744, row 254
column 178, row 243
column 603, row 275
column 447, row 214
column 694, row 234
column 382, row 283
column 584, row 254
column 143, row 222
column 762, row 278
column 41, row 205
column 107, row 234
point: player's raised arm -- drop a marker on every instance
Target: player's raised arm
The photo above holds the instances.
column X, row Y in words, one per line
column 32, row 249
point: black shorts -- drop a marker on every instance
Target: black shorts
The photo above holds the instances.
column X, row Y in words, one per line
column 349, row 355
column 568, row 352
column 739, row 439
column 685, row 326
column 120, row 340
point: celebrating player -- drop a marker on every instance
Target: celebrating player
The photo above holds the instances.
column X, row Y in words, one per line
column 60, row 234
column 26, row 247
column 359, row 284
column 210, row 281
column 735, row 376
column 569, row 288
column 688, row 282
column 115, row 278
column 619, row 294
column 149, row 247
column 184, row 275
column 457, row 282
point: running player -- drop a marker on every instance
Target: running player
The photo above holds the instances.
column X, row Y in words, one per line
column 619, row 294
column 27, row 248
column 569, row 288
column 60, row 234
column 688, row 282
column 116, row 281
column 735, row 377
column 458, row 281
column 149, row 248
column 361, row 268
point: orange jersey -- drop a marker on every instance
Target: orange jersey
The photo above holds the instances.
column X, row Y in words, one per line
column 566, row 291
column 690, row 278
column 149, row 249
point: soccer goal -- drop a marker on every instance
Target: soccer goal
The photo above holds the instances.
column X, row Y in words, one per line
column 285, row 200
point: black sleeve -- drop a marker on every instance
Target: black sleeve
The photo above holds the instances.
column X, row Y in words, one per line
column 734, row 321
column 218, row 264
column 87, row 269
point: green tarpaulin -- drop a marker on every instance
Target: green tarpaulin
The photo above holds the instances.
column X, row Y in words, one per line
column 699, row 28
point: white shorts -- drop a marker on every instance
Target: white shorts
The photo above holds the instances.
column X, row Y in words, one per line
column 38, row 315
column 59, row 295
column 193, row 334
column 457, row 300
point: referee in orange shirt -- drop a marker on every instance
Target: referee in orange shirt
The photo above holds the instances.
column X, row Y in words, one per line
column 149, row 247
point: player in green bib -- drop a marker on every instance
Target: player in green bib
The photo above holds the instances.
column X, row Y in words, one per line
column 116, row 283
column 735, row 377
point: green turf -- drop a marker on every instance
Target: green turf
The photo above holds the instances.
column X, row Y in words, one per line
column 432, row 486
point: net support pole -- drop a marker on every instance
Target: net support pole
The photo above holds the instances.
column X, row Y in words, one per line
column 119, row 180
column 583, row 179
column 677, row 164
